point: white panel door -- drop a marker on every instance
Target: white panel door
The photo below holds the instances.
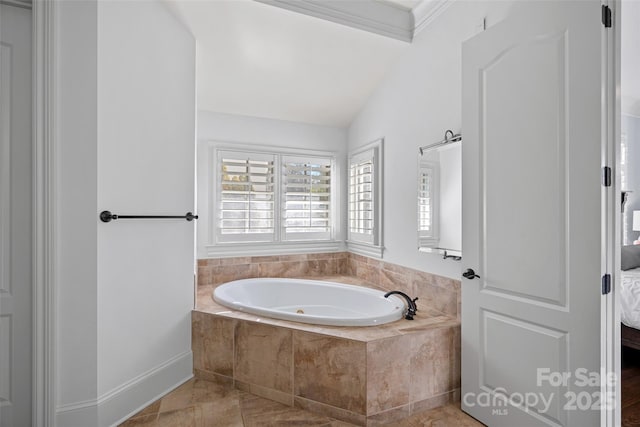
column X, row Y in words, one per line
column 15, row 216
column 532, row 217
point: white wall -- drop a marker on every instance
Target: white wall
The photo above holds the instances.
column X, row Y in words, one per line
column 146, row 156
column 76, row 228
column 230, row 128
column 127, row 142
column 415, row 104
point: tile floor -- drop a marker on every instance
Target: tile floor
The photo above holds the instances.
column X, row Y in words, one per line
column 201, row 403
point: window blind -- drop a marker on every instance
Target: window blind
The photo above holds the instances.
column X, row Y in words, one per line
column 365, row 224
column 425, row 203
column 361, row 207
column 306, row 198
column 428, row 182
column 246, row 197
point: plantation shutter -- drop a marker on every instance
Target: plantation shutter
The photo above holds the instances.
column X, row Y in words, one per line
column 306, row 198
column 428, row 204
column 246, row 205
column 361, row 197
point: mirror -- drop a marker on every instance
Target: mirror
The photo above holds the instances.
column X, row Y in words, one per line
column 440, row 198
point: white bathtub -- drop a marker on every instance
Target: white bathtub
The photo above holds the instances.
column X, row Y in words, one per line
column 310, row 301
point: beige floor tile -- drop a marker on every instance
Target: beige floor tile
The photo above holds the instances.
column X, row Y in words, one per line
column 193, row 392
column 201, row 403
column 259, row 412
column 222, row 414
column 186, row 417
column 152, row 409
column 144, row 420
column 444, row 416
column 338, row 423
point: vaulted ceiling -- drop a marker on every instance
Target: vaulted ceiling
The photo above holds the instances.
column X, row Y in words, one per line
column 259, row 60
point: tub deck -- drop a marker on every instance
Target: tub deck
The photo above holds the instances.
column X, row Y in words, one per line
column 368, row 375
column 426, row 317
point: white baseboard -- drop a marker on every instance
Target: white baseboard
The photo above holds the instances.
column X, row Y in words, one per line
column 119, row 404
column 77, row 414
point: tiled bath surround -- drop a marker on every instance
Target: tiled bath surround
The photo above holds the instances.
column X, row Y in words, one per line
column 366, row 376
column 440, row 293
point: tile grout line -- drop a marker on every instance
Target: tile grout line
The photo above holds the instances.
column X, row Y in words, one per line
column 292, row 370
column 366, row 382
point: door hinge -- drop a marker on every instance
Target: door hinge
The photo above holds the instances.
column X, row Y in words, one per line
column 606, row 16
column 606, row 176
column 606, row 284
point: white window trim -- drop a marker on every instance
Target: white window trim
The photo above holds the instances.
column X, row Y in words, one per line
column 272, row 249
column 207, row 191
column 375, row 247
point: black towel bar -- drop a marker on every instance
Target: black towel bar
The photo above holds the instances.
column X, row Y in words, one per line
column 106, row 216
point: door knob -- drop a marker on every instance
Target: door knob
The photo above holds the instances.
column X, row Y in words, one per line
column 470, row 274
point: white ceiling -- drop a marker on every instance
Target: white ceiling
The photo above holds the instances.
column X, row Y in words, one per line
column 258, row 60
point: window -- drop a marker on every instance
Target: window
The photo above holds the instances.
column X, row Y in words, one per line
column 365, row 200
column 361, row 197
column 271, row 197
column 246, row 197
column 428, row 204
column 306, row 211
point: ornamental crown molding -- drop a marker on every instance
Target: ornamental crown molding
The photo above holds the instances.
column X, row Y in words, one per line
column 25, row 4
column 426, row 12
column 379, row 17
